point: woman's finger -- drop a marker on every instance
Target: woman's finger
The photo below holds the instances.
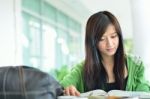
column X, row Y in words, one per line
column 71, row 90
column 77, row 93
column 67, row 91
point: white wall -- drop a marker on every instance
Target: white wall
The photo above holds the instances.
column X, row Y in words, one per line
column 120, row 8
column 10, row 23
column 7, row 31
column 141, row 32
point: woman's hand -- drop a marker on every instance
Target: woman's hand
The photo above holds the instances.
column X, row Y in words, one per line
column 72, row 91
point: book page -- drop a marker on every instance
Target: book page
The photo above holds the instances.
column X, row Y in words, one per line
column 97, row 92
column 121, row 93
column 71, row 97
column 94, row 94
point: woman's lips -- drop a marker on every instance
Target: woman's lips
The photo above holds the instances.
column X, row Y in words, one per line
column 110, row 49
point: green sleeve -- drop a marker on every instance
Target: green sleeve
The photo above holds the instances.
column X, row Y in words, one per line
column 74, row 77
column 140, row 83
column 136, row 79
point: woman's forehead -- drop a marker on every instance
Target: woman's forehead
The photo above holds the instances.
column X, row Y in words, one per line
column 110, row 30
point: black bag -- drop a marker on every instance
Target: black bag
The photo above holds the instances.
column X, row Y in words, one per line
column 24, row 82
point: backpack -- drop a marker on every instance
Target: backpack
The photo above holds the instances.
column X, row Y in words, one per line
column 23, row 82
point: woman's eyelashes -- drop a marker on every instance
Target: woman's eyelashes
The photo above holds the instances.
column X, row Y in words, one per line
column 114, row 36
column 103, row 38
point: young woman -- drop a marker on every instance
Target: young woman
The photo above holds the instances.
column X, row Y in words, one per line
column 106, row 66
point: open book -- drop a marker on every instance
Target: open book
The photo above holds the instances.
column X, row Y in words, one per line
column 113, row 94
column 117, row 94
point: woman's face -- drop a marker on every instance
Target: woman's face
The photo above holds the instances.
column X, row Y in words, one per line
column 109, row 42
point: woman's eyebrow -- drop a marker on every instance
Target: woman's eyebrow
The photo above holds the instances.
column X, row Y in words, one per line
column 110, row 34
column 114, row 33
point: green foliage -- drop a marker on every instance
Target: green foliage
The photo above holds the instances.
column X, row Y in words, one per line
column 61, row 72
column 128, row 45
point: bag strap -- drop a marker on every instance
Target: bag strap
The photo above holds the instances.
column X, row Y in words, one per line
column 22, row 82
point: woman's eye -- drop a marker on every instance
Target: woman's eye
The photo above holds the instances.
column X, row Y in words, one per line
column 114, row 36
column 102, row 39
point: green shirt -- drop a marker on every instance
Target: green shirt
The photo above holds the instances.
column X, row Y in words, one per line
column 135, row 81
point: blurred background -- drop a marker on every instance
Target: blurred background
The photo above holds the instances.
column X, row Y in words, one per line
column 49, row 34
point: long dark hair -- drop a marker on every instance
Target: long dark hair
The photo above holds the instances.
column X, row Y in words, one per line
column 94, row 73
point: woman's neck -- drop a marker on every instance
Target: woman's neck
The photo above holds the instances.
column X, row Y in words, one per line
column 108, row 61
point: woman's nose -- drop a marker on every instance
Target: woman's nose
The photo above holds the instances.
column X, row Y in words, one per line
column 109, row 42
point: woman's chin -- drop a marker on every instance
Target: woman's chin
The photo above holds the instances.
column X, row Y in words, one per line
column 110, row 53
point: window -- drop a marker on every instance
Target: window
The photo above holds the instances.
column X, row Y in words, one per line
column 53, row 39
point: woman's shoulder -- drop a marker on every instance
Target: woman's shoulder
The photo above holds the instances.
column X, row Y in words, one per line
column 133, row 58
column 78, row 66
